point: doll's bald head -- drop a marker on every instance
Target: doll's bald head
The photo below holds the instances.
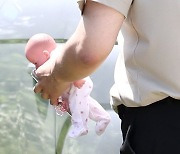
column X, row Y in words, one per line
column 38, row 48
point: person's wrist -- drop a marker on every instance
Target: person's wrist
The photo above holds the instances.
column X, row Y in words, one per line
column 60, row 81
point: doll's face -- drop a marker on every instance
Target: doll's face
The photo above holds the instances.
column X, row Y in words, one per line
column 38, row 49
column 38, row 56
column 41, row 58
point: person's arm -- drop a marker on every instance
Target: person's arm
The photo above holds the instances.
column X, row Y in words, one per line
column 88, row 47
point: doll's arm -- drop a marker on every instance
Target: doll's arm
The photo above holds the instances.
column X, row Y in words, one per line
column 79, row 83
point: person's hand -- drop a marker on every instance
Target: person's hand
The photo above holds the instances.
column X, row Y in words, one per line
column 49, row 87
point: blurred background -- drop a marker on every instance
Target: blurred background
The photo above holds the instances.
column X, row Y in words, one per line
column 28, row 124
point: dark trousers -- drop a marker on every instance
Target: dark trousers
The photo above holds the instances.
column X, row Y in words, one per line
column 153, row 129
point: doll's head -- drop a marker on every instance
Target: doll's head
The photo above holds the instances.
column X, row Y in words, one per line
column 38, row 48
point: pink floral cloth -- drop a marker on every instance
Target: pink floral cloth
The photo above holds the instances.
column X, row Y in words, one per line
column 83, row 107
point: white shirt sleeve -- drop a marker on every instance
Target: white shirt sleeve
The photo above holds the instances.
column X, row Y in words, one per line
column 120, row 5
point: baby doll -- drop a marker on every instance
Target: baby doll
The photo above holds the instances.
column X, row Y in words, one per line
column 77, row 98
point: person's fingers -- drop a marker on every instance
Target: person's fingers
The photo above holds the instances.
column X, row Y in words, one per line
column 54, row 101
column 45, row 96
column 37, row 88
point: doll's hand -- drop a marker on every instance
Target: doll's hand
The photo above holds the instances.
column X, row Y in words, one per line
column 79, row 83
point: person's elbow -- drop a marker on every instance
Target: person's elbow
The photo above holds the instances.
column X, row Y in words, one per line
column 90, row 57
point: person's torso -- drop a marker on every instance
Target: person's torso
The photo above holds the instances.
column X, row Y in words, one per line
column 147, row 69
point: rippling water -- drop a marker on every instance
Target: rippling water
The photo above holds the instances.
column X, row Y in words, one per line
column 22, row 115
